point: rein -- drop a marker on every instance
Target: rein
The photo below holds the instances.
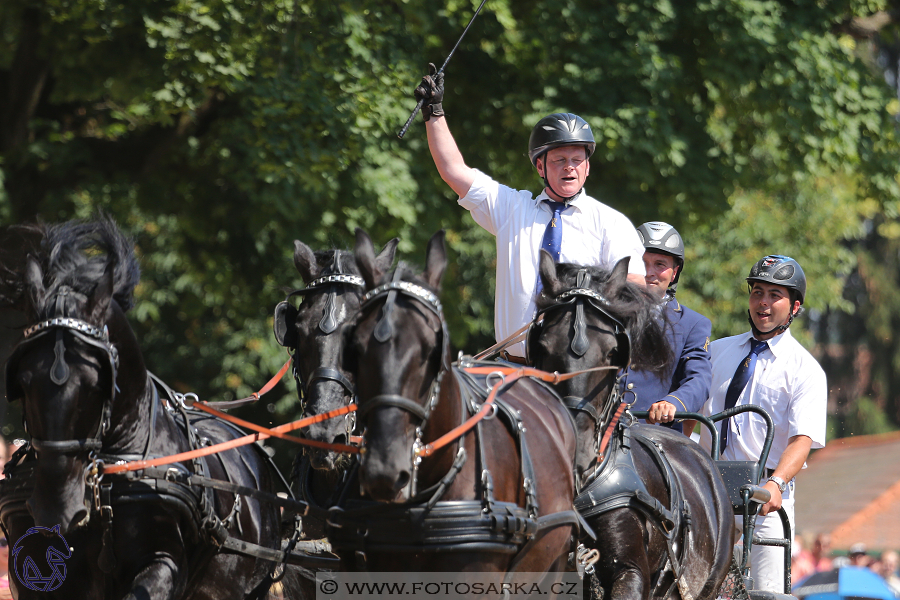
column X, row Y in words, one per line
column 262, row 433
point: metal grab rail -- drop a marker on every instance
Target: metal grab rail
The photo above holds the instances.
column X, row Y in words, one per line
column 710, row 422
column 746, row 493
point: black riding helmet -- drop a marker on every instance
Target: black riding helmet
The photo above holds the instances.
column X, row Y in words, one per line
column 557, row 130
column 662, row 238
column 779, row 270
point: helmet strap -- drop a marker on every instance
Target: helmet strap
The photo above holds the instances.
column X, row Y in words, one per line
column 780, row 329
column 565, row 199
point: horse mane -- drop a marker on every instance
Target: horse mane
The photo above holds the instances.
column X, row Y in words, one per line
column 16, row 243
column 76, row 254
column 635, row 307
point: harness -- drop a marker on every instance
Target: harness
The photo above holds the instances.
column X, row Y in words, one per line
column 614, row 482
column 426, row 523
column 186, row 493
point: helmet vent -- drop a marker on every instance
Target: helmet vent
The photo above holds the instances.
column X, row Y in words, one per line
column 784, row 272
column 673, row 241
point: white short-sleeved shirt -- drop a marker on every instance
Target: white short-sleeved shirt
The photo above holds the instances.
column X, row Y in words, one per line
column 593, row 234
column 787, row 382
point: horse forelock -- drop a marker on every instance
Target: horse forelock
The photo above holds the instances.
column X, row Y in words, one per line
column 76, row 255
column 325, row 259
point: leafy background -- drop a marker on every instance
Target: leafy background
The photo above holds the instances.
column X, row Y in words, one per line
column 217, row 132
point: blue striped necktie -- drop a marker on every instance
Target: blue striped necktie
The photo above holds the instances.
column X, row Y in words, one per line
column 742, row 376
column 552, row 241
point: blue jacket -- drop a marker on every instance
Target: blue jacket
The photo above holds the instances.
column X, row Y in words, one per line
column 688, row 385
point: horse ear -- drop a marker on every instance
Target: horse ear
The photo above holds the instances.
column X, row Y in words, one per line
column 98, row 303
column 305, row 261
column 547, row 272
column 435, row 260
column 618, row 276
column 365, row 258
column 34, row 279
column 385, row 258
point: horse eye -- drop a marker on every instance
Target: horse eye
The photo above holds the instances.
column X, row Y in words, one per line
column 24, row 378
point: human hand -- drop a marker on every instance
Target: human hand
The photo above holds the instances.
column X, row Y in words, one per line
column 431, row 93
column 775, row 502
column 661, row 412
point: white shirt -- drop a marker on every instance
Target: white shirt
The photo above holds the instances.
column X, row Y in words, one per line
column 593, row 234
column 787, row 382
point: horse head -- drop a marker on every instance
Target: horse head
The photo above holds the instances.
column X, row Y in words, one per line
column 400, row 347
column 593, row 318
column 316, row 331
column 65, row 368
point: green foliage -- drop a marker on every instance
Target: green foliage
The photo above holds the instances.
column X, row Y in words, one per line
column 217, row 132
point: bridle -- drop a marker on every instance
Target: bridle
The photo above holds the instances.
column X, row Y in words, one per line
column 286, row 315
column 60, row 372
column 580, row 296
column 384, row 331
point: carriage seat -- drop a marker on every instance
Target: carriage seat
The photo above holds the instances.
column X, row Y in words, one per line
column 740, row 475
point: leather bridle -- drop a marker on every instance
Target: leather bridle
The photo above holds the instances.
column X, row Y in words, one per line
column 285, row 313
column 580, row 296
column 60, row 372
column 383, row 332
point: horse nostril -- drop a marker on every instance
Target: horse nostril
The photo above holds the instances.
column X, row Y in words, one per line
column 402, row 480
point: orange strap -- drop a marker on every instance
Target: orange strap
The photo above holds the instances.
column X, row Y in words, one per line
column 510, row 374
column 609, row 429
column 262, row 433
column 255, row 395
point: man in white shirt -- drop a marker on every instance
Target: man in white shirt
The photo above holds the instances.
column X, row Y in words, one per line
column 592, row 233
column 768, row 368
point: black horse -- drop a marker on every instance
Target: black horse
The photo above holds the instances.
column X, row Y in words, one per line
column 660, row 510
column 315, row 332
column 89, row 400
column 497, row 499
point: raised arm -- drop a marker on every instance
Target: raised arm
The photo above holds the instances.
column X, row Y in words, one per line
column 444, row 151
column 447, row 157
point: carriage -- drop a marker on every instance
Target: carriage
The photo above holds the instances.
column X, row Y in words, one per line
column 488, row 510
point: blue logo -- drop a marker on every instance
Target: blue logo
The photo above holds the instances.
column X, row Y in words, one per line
column 50, row 543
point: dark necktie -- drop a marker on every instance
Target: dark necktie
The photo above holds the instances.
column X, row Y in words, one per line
column 552, row 241
column 741, row 376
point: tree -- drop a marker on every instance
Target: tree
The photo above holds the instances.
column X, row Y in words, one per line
column 218, row 132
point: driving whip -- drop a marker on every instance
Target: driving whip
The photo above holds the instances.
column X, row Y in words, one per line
column 441, row 70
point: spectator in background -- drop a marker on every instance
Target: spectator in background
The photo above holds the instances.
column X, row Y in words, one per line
column 5, row 593
column 5, row 453
column 859, row 555
column 802, row 562
column 821, row 552
column 887, row 568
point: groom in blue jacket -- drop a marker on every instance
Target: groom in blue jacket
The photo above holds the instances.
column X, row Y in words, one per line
column 687, row 386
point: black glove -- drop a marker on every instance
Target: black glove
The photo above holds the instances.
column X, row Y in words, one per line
column 431, row 93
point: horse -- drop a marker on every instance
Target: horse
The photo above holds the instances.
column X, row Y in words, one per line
column 661, row 513
column 497, row 501
column 315, row 334
column 88, row 400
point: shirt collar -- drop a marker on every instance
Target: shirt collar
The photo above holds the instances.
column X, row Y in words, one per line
column 575, row 202
column 778, row 344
